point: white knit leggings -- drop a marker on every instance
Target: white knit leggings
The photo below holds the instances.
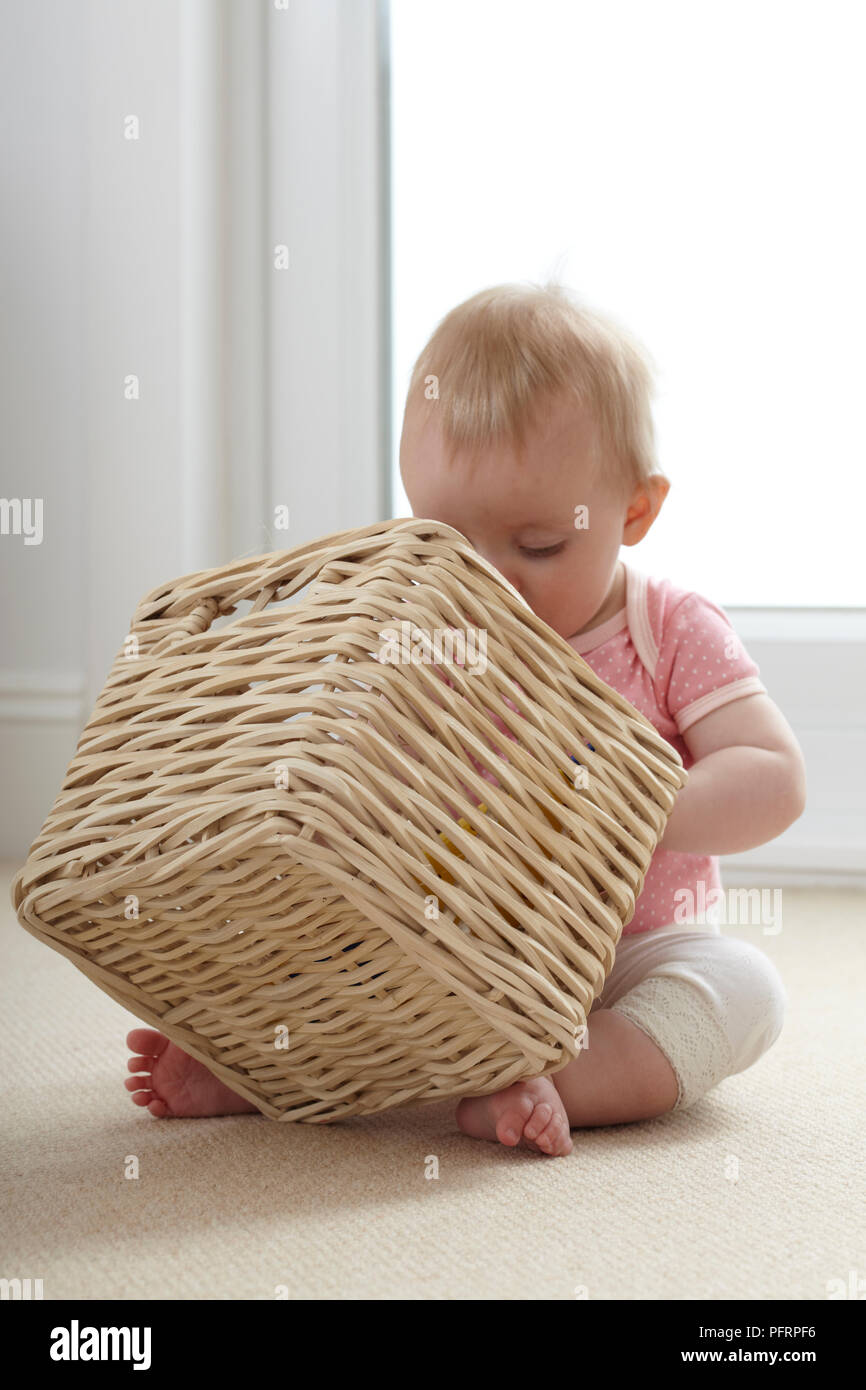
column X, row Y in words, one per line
column 713, row 1004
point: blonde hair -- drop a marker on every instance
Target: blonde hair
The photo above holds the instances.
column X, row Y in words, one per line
column 498, row 355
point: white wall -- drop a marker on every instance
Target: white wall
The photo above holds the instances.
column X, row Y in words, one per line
column 813, row 663
column 43, row 638
column 258, row 125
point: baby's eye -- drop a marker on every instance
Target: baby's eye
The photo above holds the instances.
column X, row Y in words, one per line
column 547, row 550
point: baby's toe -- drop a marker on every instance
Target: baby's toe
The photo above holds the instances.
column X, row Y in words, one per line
column 140, row 1064
column 147, row 1041
column 538, row 1120
column 511, row 1122
column 556, row 1137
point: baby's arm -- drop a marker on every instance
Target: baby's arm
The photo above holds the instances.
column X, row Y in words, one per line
column 747, row 784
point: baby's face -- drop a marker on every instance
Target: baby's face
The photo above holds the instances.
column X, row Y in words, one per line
column 520, row 513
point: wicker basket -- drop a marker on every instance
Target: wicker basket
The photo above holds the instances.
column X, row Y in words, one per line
column 345, row 882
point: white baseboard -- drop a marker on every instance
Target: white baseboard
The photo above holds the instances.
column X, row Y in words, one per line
column 35, row 697
column 42, row 715
column 818, row 867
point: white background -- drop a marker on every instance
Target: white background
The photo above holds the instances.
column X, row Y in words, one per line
column 696, row 170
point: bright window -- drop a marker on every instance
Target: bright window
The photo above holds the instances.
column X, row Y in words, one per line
column 696, row 170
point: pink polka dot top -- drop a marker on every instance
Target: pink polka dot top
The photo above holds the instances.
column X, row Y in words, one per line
column 676, row 657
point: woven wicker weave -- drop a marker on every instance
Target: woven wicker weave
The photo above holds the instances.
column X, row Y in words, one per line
column 345, row 883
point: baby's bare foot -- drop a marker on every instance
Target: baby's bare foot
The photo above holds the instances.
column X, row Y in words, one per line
column 528, row 1110
column 173, row 1083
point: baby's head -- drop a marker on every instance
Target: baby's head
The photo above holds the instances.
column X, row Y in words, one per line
column 524, row 408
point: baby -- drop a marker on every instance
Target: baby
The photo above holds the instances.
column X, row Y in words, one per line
column 528, row 428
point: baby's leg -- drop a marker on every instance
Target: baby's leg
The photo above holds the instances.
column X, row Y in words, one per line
column 680, row 1011
column 621, row 1075
column 711, row 1003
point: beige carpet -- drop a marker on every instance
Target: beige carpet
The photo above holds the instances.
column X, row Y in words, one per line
column 235, row 1208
